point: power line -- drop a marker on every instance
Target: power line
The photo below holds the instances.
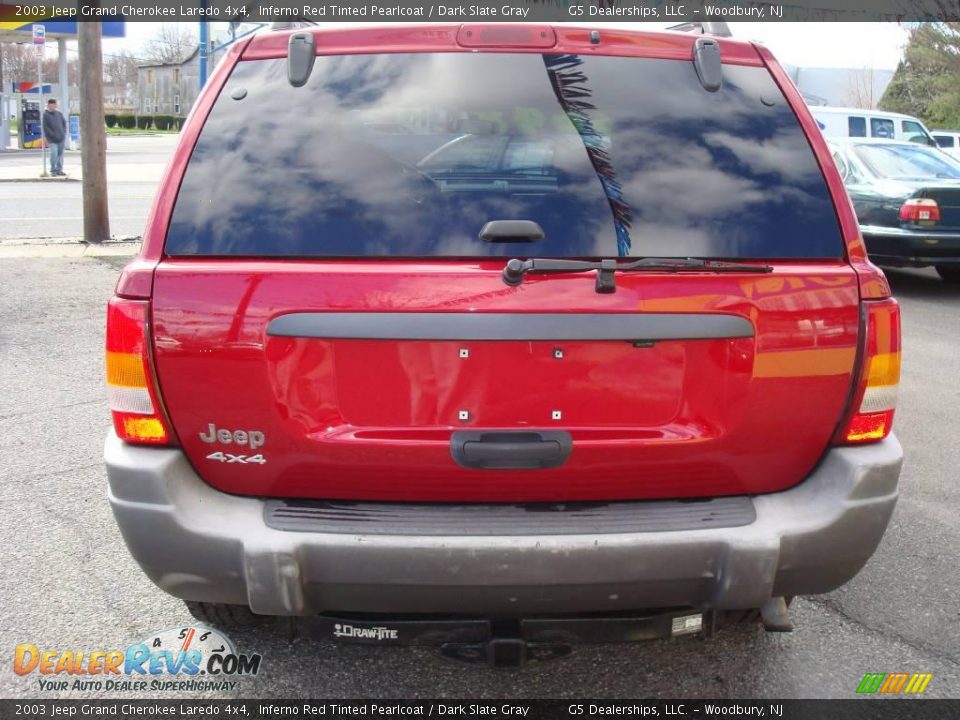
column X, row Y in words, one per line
column 115, row 55
column 76, row 51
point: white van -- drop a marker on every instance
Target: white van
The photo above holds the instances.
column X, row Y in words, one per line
column 948, row 141
column 856, row 122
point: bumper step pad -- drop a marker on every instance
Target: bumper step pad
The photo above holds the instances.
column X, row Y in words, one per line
column 488, row 519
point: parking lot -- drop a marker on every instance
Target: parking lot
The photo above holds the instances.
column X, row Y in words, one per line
column 68, row 582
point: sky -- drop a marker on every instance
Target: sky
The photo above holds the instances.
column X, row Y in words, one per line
column 876, row 45
column 838, row 44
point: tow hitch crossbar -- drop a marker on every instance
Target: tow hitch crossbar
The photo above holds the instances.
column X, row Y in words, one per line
column 510, row 642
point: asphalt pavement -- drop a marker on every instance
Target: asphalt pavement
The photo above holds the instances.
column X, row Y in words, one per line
column 31, row 207
column 68, row 583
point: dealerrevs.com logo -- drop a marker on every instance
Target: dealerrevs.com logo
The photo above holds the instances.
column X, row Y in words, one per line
column 189, row 659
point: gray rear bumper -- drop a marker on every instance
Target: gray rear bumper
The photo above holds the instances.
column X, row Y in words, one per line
column 200, row 544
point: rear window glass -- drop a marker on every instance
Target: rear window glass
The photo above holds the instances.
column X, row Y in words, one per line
column 857, row 126
column 409, row 155
column 944, row 141
column 881, row 128
column 907, row 161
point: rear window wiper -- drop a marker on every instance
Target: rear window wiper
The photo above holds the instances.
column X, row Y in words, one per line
column 515, row 268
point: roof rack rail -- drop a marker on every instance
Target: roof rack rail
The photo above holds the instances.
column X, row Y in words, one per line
column 719, row 29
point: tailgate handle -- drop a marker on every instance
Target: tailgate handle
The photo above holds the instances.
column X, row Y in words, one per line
column 508, row 450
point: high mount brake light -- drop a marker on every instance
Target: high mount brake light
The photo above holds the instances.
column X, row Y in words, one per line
column 920, row 210
column 134, row 401
column 506, row 35
column 870, row 417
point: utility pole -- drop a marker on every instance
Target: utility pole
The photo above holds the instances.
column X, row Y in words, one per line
column 93, row 149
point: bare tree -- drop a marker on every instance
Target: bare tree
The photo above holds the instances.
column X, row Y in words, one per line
column 120, row 71
column 20, row 65
column 861, row 89
column 120, row 67
column 173, row 43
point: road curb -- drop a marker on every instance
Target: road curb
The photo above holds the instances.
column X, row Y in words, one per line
column 38, row 179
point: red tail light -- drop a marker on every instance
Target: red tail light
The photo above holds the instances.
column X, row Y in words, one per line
column 920, row 210
column 870, row 417
column 131, row 389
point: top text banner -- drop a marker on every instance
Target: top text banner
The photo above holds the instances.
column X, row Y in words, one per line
column 580, row 11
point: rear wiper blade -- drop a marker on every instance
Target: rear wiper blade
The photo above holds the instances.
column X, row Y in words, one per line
column 516, row 268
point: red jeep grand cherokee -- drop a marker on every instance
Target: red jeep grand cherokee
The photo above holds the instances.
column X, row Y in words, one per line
column 501, row 337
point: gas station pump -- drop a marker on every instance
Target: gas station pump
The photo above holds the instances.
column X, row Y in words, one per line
column 30, row 130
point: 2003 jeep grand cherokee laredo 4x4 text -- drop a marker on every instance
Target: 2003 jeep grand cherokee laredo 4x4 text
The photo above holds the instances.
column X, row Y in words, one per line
column 501, row 337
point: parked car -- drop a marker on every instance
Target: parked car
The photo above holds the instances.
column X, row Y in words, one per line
column 907, row 200
column 948, row 141
column 837, row 122
column 620, row 369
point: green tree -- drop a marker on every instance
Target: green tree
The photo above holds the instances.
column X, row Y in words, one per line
column 927, row 81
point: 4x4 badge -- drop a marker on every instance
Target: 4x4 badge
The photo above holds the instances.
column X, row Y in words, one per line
column 257, row 459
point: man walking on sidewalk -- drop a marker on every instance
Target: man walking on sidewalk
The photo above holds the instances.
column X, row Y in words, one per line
column 55, row 131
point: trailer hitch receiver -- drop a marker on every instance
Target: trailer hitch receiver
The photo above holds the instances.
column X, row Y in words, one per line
column 505, row 652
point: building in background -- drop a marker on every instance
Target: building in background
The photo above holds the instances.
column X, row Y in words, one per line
column 841, row 87
column 118, row 97
column 170, row 88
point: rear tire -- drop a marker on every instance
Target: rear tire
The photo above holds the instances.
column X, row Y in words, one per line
column 949, row 273
column 222, row 615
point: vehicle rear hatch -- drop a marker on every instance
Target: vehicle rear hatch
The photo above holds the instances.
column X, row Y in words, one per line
column 329, row 324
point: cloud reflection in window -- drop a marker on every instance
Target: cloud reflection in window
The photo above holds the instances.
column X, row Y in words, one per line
column 411, row 154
